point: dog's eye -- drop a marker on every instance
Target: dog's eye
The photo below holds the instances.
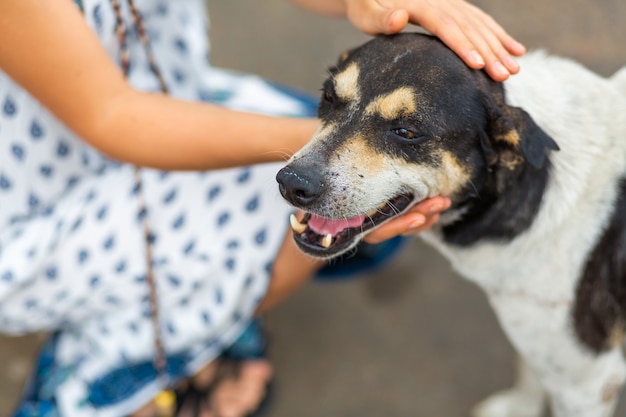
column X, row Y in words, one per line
column 328, row 96
column 405, row 133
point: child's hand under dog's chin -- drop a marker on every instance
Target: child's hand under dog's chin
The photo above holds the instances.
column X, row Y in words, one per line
column 417, row 219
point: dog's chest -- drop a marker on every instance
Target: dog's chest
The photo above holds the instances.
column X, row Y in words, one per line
column 525, row 267
column 543, row 263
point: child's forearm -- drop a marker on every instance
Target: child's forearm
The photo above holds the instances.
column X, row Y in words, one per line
column 48, row 49
column 159, row 131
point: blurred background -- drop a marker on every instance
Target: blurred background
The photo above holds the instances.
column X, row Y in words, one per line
column 412, row 339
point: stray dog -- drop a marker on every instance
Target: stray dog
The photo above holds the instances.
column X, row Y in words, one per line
column 536, row 170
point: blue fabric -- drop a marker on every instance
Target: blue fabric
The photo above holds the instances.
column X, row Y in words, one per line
column 38, row 399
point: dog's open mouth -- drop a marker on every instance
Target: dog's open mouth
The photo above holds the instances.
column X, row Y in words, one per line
column 323, row 237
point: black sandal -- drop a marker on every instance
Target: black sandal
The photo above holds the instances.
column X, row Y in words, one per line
column 190, row 400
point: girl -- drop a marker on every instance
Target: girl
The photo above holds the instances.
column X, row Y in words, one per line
column 139, row 217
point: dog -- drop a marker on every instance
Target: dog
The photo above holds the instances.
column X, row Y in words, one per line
column 536, row 171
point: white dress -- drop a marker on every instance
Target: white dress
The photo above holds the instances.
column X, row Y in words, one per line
column 72, row 250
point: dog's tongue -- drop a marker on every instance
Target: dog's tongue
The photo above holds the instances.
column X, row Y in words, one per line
column 325, row 226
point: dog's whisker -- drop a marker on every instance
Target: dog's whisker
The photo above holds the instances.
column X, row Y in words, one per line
column 285, row 154
column 370, row 219
column 393, row 208
column 475, row 189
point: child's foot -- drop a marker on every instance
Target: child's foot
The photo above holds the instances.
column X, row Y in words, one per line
column 222, row 389
column 241, row 395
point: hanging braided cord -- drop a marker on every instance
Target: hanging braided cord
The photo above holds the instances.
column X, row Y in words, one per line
column 145, row 41
column 160, row 359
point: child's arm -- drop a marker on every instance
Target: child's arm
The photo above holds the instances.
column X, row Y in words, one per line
column 466, row 29
column 49, row 50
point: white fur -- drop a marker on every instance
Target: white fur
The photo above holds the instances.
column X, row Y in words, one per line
column 533, row 289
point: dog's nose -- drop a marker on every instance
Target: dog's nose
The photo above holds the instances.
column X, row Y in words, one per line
column 299, row 188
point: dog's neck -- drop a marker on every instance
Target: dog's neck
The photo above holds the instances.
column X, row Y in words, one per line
column 484, row 213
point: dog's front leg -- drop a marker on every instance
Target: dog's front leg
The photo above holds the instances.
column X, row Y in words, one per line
column 579, row 382
column 596, row 393
column 527, row 398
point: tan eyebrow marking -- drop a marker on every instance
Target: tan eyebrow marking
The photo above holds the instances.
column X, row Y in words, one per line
column 396, row 104
column 347, row 83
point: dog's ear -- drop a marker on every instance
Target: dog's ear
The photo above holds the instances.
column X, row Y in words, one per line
column 513, row 136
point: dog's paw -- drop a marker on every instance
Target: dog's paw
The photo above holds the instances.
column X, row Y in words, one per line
column 509, row 403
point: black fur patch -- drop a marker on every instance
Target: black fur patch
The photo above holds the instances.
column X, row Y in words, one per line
column 505, row 197
column 499, row 215
column 600, row 310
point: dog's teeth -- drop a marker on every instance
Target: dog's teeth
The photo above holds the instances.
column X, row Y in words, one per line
column 296, row 225
column 327, row 240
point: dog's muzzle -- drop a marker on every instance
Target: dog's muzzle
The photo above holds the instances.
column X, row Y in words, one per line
column 324, row 237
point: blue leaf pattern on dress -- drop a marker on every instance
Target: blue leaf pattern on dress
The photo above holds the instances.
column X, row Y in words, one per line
column 170, row 196
column 109, row 243
column 51, row 272
column 102, row 212
column 214, row 192
column 260, row 237
column 244, row 176
column 63, row 149
column 36, row 131
column 188, row 248
column 5, row 183
column 83, row 255
column 9, row 108
column 18, row 152
column 181, row 46
column 46, row 171
column 223, row 219
column 7, row 276
column 33, row 201
column 253, row 204
column 179, row 221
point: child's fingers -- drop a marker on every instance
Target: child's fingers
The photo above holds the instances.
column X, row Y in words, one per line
column 466, row 29
column 468, row 36
column 507, row 41
column 491, row 49
column 500, row 44
column 396, row 227
column 396, row 21
column 494, row 44
column 417, row 219
column 446, row 28
column 472, row 34
column 373, row 18
column 430, row 221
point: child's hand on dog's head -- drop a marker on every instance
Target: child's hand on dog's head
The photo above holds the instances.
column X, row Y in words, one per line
column 466, row 29
column 417, row 219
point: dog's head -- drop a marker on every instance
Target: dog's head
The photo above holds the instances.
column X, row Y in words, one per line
column 402, row 119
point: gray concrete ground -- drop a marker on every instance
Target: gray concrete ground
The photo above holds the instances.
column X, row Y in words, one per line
column 412, row 339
